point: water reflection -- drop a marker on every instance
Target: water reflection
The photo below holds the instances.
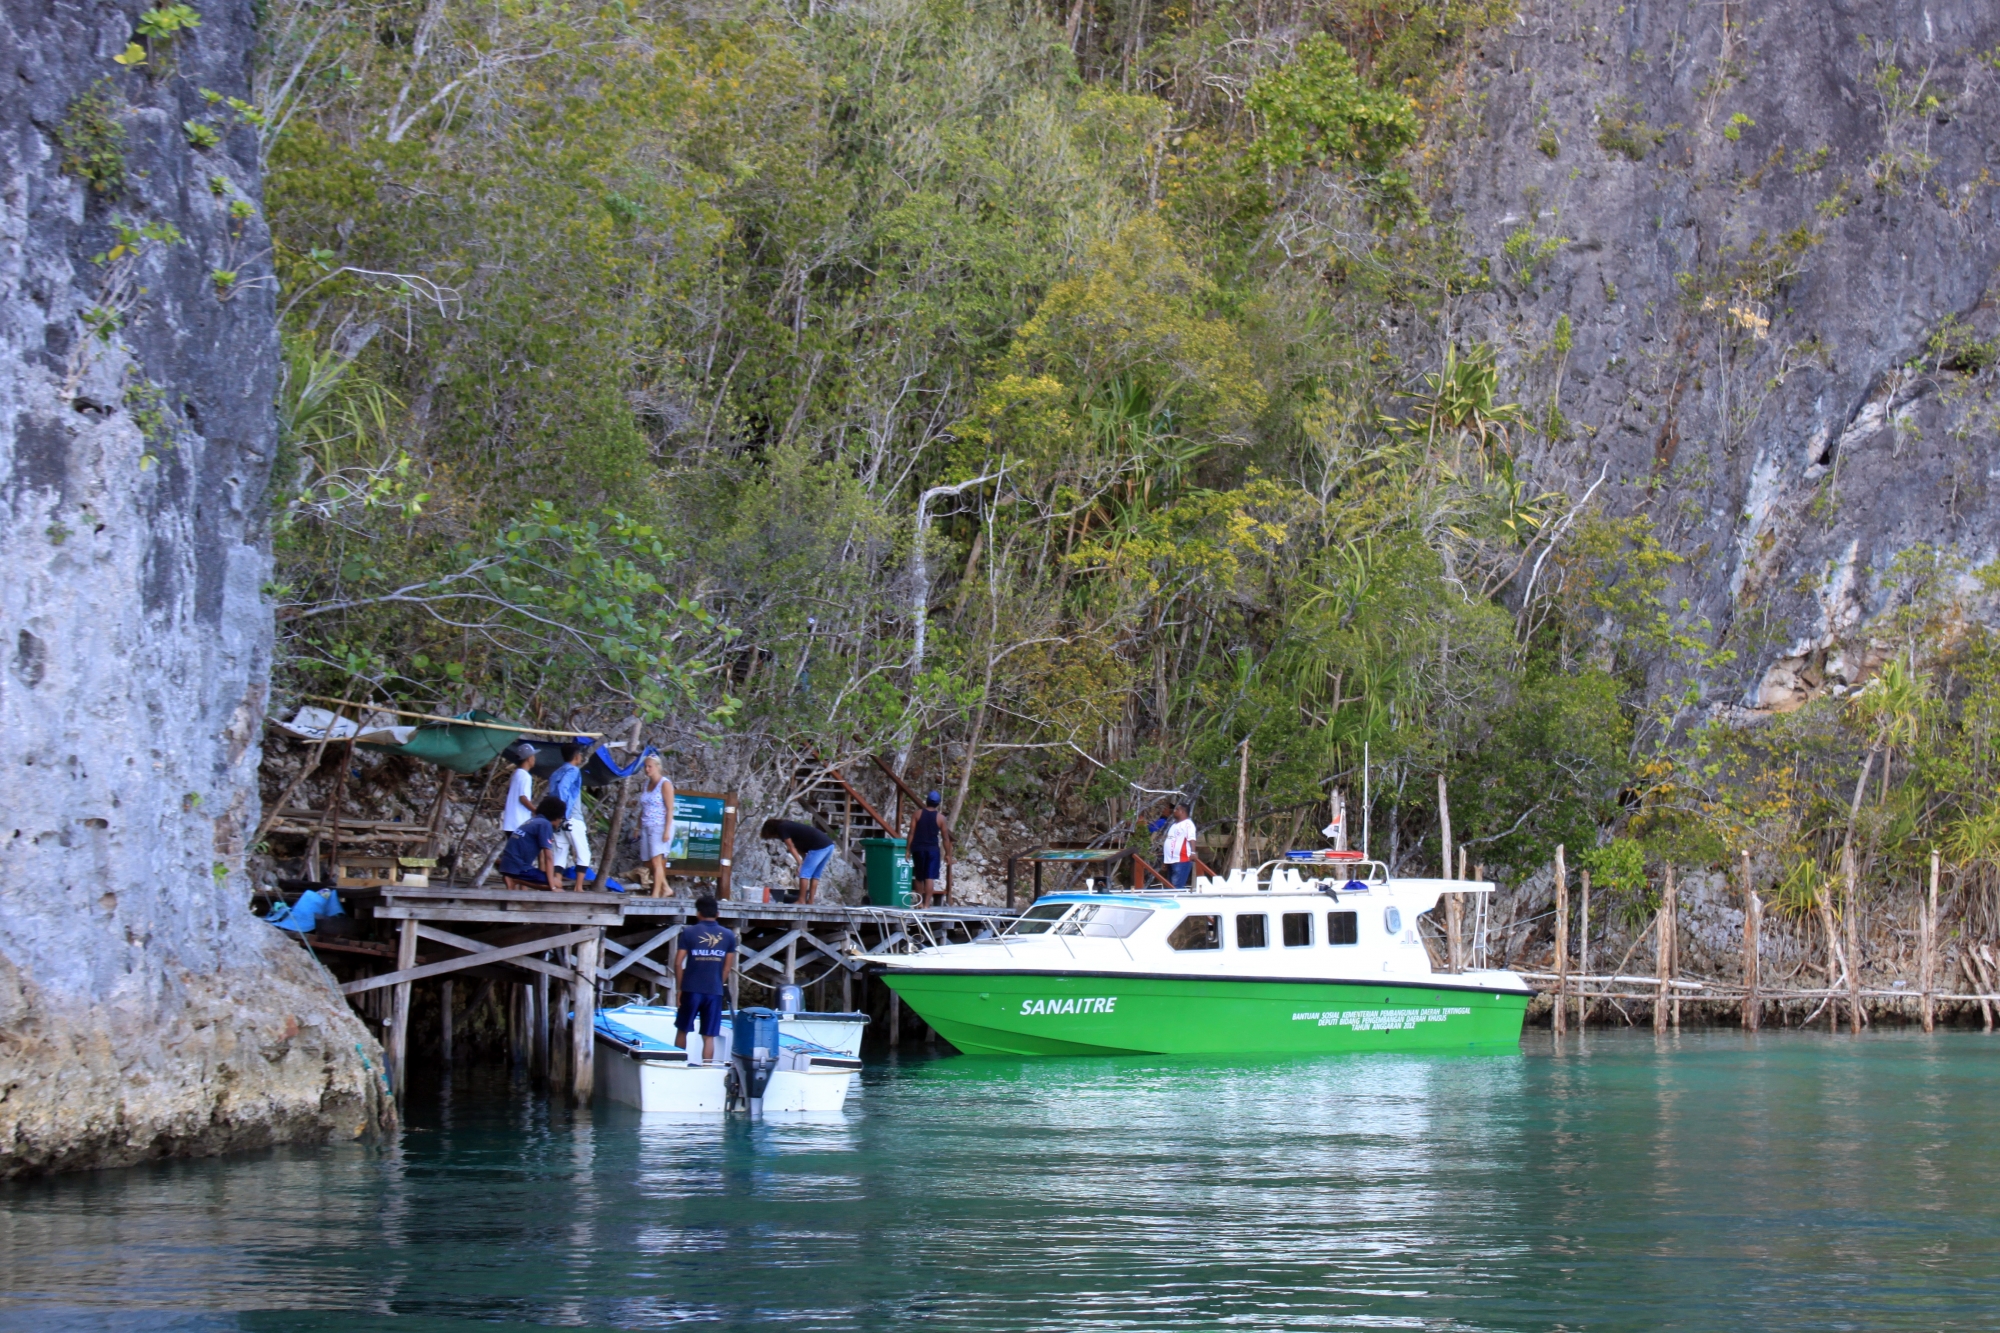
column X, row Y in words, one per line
column 1708, row 1181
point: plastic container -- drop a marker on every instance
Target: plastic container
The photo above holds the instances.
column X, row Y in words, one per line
column 791, row 999
column 887, row 872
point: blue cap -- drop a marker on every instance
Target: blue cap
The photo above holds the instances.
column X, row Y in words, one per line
column 932, row 798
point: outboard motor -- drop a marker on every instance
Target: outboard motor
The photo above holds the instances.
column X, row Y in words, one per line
column 791, row 999
column 754, row 1042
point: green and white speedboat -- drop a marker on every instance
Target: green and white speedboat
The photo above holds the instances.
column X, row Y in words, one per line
column 1287, row 958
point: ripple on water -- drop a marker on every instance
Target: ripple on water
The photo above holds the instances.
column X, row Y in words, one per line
column 1709, row 1182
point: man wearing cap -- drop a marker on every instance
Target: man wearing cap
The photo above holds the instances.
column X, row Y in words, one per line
column 927, row 843
column 520, row 807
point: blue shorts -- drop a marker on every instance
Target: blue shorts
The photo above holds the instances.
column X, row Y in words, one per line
column 1180, row 872
column 708, row 1008
column 812, row 863
column 926, row 862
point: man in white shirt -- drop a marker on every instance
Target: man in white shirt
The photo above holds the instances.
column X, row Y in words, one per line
column 520, row 806
column 1180, row 847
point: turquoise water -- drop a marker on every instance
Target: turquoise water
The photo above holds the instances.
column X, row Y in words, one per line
column 1714, row 1181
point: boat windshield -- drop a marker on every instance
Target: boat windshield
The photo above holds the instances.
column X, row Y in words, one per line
column 1098, row 919
column 1037, row 919
column 1104, row 921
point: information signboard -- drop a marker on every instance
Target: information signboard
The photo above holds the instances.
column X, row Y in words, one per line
column 704, row 834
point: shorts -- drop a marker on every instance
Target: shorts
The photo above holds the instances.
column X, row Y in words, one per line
column 572, row 845
column 527, row 877
column 653, row 843
column 926, row 862
column 1180, row 872
column 812, row 863
column 707, row 1008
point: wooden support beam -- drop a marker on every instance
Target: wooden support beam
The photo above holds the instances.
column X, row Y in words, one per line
column 659, row 970
column 765, row 955
column 404, row 976
column 583, row 1019
column 627, row 957
column 481, row 947
column 843, row 959
column 445, row 998
column 399, row 1020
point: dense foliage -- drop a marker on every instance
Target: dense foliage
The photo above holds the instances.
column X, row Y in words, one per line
column 1054, row 399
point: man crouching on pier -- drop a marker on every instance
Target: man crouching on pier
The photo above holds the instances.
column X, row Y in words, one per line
column 702, row 964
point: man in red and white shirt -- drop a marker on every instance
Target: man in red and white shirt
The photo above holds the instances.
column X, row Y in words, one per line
column 1180, row 847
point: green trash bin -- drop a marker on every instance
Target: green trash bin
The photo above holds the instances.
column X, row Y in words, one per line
column 887, row 872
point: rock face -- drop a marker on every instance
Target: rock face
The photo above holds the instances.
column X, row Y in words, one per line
column 1748, row 248
column 142, row 1009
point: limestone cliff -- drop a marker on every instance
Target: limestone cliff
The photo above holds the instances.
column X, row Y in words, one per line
column 1748, row 249
column 142, row 1009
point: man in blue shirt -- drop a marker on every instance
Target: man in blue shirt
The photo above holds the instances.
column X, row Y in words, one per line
column 572, row 841
column 527, row 860
column 702, row 965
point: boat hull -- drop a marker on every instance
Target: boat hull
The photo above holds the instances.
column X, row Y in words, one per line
column 656, row 1086
column 1039, row 1013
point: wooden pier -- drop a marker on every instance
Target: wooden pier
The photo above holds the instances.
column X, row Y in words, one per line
column 557, row 954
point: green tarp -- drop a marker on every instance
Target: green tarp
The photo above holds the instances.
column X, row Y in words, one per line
column 460, row 749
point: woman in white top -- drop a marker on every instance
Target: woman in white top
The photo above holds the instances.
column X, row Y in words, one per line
column 656, row 822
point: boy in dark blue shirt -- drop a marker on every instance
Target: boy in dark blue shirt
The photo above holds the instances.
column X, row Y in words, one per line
column 528, row 859
column 701, row 976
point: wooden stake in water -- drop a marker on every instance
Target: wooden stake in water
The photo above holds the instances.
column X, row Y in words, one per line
column 1444, row 825
column 1663, row 953
column 1928, row 976
column 1853, row 933
column 1239, row 846
column 1454, row 930
column 1562, row 943
column 1583, row 947
column 1753, row 925
column 445, row 1019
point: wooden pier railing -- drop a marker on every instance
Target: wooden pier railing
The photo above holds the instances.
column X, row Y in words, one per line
column 559, row 953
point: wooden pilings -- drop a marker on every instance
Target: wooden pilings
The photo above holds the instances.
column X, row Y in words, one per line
column 583, row 1020
column 399, row 1014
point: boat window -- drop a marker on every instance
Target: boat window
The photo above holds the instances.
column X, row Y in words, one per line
column 1343, row 928
column 1392, row 921
column 1252, row 931
column 1038, row 919
column 1197, row 932
column 1298, row 929
column 1113, row 922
